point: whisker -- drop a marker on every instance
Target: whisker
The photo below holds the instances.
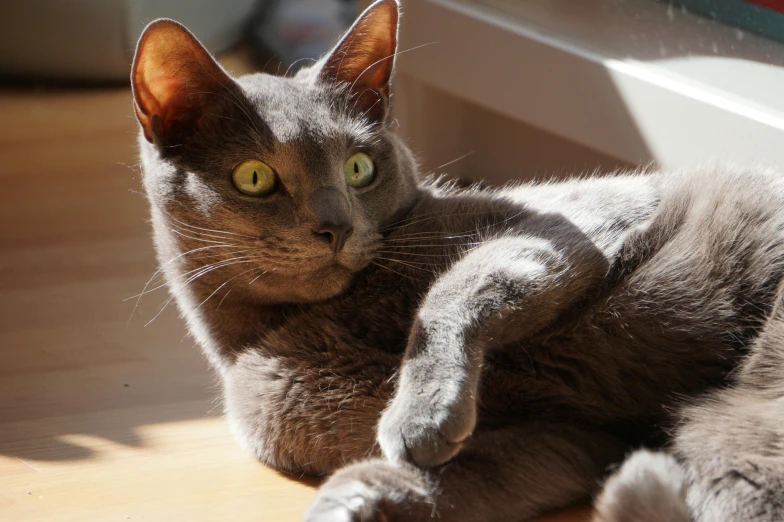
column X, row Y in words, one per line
column 409, row 218
column 479, row 229
column 235, row 285
column 436, row 237
column 264, row 69
column 439, row 215
column 464, row 156
column 393, row 55
column 394, row 271
column 144, row 291
column 217, row 264
column 180, row 233
column 209, row 268
column 431, row 264
column 201, row 235
column 223, row 298
column 412, row 264
column 186, row 283
column 169, row 300
column 224, row 284
column 158, row 271
column 417, row 254
column 207, row 229
column 367, row 111
column 295, row 62
column 256, row 278
column 436, row 215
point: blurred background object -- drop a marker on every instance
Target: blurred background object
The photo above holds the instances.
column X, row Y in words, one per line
column 296, row 31
column 94, row 40
column 765, row 17
column 549, row 87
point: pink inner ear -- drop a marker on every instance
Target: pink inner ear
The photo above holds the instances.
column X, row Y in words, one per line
column 173, row 98
column 365, row 56
column 378, row 76
column 161, row 82
column 171, row 73
column 165, row 89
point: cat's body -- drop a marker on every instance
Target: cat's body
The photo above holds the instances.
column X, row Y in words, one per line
column 331, row 384
column 518, row 341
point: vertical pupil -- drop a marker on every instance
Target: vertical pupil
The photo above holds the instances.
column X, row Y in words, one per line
column 356, row 168
column 255, row 178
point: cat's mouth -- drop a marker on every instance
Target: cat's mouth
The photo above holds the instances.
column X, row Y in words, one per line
column 322, row 283
column 351, row 261
column 318, row 276
column 355, row 257
column 337, row 273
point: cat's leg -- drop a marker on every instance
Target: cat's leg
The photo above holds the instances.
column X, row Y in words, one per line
column 732, row 443
column 648, row 487
column 730, row 448
column 504, row 290
column 729, row 468
column 513, row 473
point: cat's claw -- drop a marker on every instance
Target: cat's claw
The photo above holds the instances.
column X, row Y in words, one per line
column 373, row 491
column 427, row 422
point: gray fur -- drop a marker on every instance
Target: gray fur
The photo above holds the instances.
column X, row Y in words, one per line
column 499, row 348
column 648, row 487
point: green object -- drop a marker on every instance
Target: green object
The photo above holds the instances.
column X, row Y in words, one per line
column 746, row 15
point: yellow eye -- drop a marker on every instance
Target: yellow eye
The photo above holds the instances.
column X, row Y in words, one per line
column 254, row 178
column 359, row 170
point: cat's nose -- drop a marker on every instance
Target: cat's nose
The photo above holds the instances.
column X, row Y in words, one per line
column 335, row 232
column 332, row 216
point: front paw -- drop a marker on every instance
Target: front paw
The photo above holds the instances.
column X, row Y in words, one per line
column 373, row 491
column 432, row 414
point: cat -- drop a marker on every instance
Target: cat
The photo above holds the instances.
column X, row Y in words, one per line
column 461, row 354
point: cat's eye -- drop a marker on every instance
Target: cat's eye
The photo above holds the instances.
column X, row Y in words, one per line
column 359, row 170
column 254, row 178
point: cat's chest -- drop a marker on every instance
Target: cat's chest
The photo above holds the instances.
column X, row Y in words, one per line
column 375, row 315
column 315, row 387
column 365, row 325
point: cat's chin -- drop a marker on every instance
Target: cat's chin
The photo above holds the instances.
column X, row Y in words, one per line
column 320, row 284
column 333, row 279
column 329, row 282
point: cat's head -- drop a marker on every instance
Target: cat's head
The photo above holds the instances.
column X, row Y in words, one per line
column 285, row 181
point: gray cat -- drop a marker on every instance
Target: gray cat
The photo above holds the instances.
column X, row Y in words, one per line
column 462, row 354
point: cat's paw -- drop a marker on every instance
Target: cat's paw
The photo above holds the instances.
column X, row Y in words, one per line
column 373, row 491
column 649, row 486
column 431, row 416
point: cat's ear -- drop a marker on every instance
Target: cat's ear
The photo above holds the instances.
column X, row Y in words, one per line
column 365, row 57
column 174, row 80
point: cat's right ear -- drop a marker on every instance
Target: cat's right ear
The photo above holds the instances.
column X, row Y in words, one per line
column 174, row 80
column 364, row 58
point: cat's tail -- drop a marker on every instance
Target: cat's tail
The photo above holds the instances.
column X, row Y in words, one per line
column 649, row 487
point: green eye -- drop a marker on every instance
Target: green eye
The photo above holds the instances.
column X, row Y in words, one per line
column 254, row 178
column 359, row 170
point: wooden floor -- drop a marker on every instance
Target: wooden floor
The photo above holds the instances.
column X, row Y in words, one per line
column 102, row 418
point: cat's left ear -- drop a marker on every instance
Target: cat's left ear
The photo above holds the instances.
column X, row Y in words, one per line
column 175, row 82
column 365, row 57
